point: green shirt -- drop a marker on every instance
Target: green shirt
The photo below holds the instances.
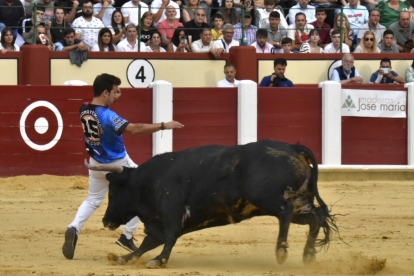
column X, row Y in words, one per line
column 389, row 15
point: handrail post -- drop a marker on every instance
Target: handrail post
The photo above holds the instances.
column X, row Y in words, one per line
column 34, row 26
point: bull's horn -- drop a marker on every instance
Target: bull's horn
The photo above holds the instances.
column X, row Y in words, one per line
column 104, row 167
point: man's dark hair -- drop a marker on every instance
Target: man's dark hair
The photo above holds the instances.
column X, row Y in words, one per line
column 320, row 9
column 280, row 61
column 104, row 82
column 300, row 13
column 376, row 9
column 41, row 8
column 286, row 40
column 274, row 14
column 59, row 8
column 335, row 32
column 385, row 60
column 261, row 32
column 67, row 31
column 230, row 65
column 86, row 1
column 217, row 15
column 387, row 32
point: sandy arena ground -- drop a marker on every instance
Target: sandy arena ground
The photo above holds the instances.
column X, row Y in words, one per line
column 378, row 228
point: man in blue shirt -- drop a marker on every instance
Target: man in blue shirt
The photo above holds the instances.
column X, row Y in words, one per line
column 277, row 79
column 104, row 143
column 385, row 73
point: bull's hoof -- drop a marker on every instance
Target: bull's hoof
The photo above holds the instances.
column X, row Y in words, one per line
column 309, row 256
column 154, row 264
column 121, row 260
column 281, row 255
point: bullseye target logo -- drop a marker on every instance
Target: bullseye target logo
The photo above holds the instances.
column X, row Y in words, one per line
column 41, row 125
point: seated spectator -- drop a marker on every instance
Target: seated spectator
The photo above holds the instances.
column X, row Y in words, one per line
column 104, row 42
column 322, row 27
column 87, row 27
column 167, row 26
column 70, row 42
column 103, row 10
column 117, row 26
column 249, row 31
column 206, row 45
column 27, row 26
column 349, row 34
column 328, row 7
column 385, row 73
column 277, row 79
column 130, row 11
column 227, row 41
column 402, row 29
column 179, row 42
column 147, row 27
column 302, row 7
column 409, row 45
column 390, row 11
column 155, row 43
column 195, row 27
column 368, row 44
column 357, row 15
column 229, row 13
column 312, row 46
column 230, row 73
column 217, row 31
column 347, row 73
column 409, row 74
column 159, row 10
column 43, row 39
column 335, row 45
column 261, row 44
column 387, row 44
column 11, row 12
column 7, row 41
column 130, row 43
column 58, row 24
column 263, row 15
column 189, row 10
column 287, row 45
column 372, row 25
column 299, row 32
column 275, row 32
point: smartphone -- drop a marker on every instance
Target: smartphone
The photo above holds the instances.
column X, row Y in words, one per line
column 42, row 38
column 184, row 39
column 386, row 70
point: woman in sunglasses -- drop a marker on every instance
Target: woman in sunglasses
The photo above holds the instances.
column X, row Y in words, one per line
column 368, row 44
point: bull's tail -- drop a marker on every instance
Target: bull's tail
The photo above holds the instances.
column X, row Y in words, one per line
column 325, row 220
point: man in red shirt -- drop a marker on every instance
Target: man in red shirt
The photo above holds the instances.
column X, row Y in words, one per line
column 168, row 26
column 322, row 27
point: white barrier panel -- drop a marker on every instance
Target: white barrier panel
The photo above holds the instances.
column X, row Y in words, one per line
column 331, row 123
column 410, row 123
column 162, row 103
column 246, row 112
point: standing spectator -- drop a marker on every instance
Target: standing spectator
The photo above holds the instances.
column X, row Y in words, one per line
column 58, row 24
column 189, row 10
column 347, row 73
column 130, row 43
column 27, row 27
column 117, row 26
column 368, row 44
column 155, row 43
column 263, row 15
column 11, row 12
column 385, row 74
column 230, row 73
column 329, row 6
column 104, row 42
column 409, row 74
column 249, row 31
column 349, row 34
column 130, row 11
column 49, row 8
column 312, row 46
column 147, row 27
column 390, row 11
column 302, row 7
column 228, row 11
column 402, row 29
column 70, row 42
column 159, row 10
column 387, row 45
column 167, row 26
column 299, row 32
column 217, row 31
column 335, row 45
column 261, row 44
column 227, row 41
column 87, row 27
column 104, row 11
column 277, row 79
column 206, row 45
column 195, row 27
column 275, row 32
column 372, row 25
column 7, row 41
column 322, row 27
column 357, row 15
column 409, row 45
column 287, row 45
column 179, row 41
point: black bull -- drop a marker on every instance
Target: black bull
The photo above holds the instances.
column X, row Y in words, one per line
column 179, row 192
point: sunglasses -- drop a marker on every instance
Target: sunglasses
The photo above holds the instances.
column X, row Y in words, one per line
column 368, row 39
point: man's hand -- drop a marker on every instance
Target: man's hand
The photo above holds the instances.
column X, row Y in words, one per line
column 105, row 3
column 208, row 2
column 173, row 125
column 381, row 72
column 216, row 52
column 48, row 25
column 82, row 47
column 164, row 3
column 412, row 50
column 75, row 4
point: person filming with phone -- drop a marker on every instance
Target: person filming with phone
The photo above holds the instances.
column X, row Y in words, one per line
column 277, row 79
column 385, row 74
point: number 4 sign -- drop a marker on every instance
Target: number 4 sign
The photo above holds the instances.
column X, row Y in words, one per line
column 140, row 73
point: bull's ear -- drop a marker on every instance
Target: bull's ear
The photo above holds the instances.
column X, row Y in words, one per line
column 117, row 178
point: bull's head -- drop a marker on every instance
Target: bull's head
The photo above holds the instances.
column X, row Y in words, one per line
column 121, row 200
